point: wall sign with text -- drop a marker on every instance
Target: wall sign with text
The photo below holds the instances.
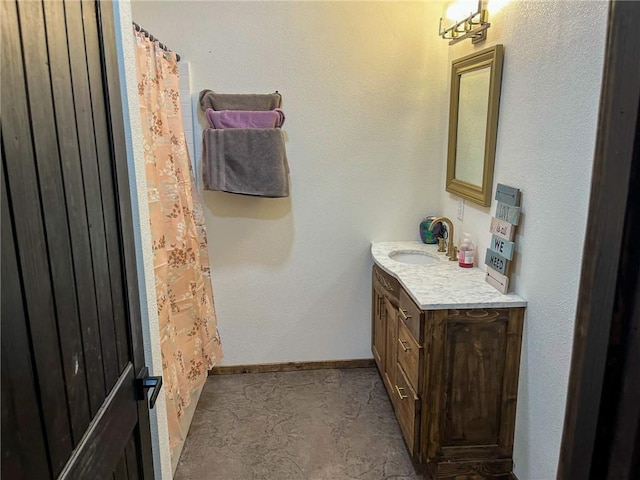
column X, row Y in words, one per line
column 503, row 227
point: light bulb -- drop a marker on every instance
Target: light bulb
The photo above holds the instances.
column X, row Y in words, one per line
column 460, row 9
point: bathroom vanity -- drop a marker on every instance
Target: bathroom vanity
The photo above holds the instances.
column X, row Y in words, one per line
column 447, row 346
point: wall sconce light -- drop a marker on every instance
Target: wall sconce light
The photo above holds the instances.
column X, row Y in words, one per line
column 474, row 26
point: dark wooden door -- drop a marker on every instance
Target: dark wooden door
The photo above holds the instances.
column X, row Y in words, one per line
column 601, row 437
column 71, row 332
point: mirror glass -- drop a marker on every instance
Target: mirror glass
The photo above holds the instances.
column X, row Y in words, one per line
column 473, row 105
column 473, row 124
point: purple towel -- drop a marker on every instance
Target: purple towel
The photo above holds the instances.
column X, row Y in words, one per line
column 245, row 118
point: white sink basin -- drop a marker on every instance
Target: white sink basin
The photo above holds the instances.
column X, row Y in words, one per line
column 414, row 258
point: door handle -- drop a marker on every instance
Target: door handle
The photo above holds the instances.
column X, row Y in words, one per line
column 145, row 382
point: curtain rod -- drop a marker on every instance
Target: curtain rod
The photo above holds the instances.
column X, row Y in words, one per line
column 153, row 39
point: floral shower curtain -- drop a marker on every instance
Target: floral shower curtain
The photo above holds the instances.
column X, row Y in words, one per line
column 189, row 337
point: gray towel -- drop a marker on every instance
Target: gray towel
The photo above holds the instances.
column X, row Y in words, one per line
column 239, row 101
column 250, row 161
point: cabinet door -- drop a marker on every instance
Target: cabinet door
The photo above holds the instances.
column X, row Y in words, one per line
column 474, row 385
column 390, row 351
column 378, row 313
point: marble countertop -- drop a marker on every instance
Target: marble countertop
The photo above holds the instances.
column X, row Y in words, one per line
column 442, row 284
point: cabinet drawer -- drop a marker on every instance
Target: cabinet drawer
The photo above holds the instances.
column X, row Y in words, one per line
column 411, row 315
column 407, row 406
column 409, row 355
column 389, row 285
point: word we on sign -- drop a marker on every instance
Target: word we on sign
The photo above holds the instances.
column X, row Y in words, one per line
column 503, row 227
column 502, row 246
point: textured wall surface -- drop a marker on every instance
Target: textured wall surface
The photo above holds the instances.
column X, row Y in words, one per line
column 546, row 137
column 186, row 107
column 362, row 87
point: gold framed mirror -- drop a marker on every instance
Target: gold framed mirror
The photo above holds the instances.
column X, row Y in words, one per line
column 473, row 124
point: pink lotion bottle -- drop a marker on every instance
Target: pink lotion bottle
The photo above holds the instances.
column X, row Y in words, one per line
column 466, row 252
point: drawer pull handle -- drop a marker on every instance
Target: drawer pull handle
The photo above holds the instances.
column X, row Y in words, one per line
column 400, row 394
column 403, row 314
column 404, row 345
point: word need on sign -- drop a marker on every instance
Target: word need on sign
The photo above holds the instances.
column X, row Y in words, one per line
column 496, row 261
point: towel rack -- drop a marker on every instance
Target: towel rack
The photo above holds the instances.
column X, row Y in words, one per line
column 153, row 39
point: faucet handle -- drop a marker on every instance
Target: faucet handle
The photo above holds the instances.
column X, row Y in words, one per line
column 441, row 245
column 453, row 255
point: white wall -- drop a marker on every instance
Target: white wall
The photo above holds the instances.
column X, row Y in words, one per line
column 362, row 87
column 547, row 128
column 186, row 106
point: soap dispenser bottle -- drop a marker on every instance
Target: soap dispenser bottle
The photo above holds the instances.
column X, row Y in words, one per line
column 466, row 252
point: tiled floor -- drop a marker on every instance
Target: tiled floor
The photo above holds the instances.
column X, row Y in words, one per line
column 307, row 425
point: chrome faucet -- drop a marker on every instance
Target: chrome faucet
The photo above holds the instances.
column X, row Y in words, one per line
column 452, row 251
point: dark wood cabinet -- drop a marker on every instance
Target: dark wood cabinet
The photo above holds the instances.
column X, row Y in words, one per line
column 378, row 327
column 384, row 326
column 390, row 372
column 452, row 376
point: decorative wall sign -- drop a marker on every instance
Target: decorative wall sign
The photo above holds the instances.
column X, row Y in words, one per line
column 497, row 280
column 508, row 213
column 508, row 195
column 502, row 229
column 496, row 261
column 502, row 246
